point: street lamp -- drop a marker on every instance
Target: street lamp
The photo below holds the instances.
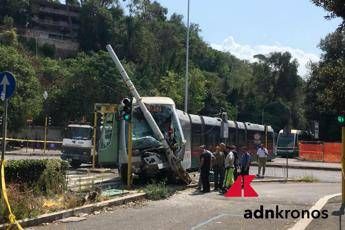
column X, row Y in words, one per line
column 187, row 62
column 45, row 96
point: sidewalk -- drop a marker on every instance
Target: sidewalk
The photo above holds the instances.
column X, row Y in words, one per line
column 335, row 220
column 33, row 152
column 300, row 164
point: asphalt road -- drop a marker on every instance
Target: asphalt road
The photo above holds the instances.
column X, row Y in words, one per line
column 190, row 210
column 319, row 175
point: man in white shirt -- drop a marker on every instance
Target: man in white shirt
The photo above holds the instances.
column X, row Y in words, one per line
column 262, row 159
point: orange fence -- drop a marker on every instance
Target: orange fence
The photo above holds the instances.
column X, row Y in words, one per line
column 332, row 152
column 320, row 151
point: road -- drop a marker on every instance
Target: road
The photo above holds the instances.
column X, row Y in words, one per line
column 319, row 175
column 190, row 210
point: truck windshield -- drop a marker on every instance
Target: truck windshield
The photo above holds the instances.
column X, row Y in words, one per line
column 79, row 133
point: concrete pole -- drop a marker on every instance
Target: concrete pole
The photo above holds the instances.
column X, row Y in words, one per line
column 187, row 64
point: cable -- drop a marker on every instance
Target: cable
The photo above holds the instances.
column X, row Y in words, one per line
column 11, row 216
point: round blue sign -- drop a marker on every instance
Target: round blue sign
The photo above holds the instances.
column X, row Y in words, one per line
column 7, row 85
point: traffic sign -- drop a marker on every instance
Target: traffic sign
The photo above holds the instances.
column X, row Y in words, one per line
column 7, row 85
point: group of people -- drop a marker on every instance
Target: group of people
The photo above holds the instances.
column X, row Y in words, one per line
column 227, row 162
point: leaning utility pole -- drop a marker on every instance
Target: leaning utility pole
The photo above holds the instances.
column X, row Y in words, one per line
column 174, row 162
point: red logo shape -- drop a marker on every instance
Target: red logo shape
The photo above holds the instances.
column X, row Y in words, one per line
column 236, row 189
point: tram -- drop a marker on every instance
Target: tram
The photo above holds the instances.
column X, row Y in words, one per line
column 184, row 132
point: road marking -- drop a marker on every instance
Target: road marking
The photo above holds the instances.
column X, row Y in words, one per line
column 212, row 219
column 303, row 223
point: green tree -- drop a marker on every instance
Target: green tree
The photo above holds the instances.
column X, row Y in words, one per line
column 27, row 100
column 336, row 8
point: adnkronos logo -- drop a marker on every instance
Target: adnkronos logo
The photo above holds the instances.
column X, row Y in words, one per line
column 262, row 213
column 278, row 213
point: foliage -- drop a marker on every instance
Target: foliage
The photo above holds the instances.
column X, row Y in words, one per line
column 326, row 84
column 27, row 100
column 53, row 178
column 157, row 191
column 151, row 44
column 23, row 203
column 30, row 172
column 336, row 8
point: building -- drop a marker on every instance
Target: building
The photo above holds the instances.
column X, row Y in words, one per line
column 54, row 24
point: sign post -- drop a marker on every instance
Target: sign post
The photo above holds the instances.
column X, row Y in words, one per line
column 7, row 86
column 343, row 164
column 129, row 149
column 341, row 121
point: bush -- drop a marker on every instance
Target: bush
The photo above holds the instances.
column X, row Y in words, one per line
column 157, row 191
column 47, row 174
column 52, row 179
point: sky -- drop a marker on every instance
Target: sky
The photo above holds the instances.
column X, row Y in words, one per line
column 248, row 27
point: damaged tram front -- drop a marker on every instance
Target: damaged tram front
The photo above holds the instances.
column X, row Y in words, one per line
column 149, row 154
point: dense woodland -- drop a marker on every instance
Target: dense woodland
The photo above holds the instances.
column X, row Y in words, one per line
column 152, row 47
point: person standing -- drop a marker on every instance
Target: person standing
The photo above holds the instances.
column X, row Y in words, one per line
column 218, row 168
column 245, row 161
column 205, row 165
column 236, row 160
column 262, row 159
column 224, row 149
column 229, row 167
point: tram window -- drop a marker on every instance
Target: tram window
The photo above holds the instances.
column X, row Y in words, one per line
column 212, row 135
column 241, row 137
column 232, row 136
column 196, row 135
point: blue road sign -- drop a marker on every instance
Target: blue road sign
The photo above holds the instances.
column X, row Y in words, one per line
column 7, row 85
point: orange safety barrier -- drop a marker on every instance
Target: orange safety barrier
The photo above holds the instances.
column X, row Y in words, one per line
column 321, row 151
column 311, row 151
column 332, row 152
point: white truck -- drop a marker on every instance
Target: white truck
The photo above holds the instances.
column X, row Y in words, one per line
column 77, row 144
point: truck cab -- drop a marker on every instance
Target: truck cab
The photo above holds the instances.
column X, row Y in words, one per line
column 77, row 144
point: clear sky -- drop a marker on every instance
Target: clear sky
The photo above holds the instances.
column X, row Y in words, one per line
column 247, row 27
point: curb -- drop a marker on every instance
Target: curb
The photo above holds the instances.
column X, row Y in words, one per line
column 300, row 167
column 50, row 217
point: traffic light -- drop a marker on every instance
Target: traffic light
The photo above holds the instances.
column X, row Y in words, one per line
column 341, row 119
column 102, row 119
column 0, row 120
column 126, row 111
column 49, row 121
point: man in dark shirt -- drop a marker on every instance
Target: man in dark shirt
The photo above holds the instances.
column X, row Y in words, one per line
column 205, row 165
column 245, row 161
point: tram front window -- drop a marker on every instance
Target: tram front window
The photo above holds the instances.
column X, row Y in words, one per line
column 143, row 136
column 286, row 141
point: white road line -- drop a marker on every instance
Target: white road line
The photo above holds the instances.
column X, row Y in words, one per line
column 303, row 223
column 212, row 219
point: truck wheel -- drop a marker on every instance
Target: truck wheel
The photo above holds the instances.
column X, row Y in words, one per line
column 75, row 164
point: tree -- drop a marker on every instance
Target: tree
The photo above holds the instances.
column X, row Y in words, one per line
column 27, row 100
column 171, row 86
column 336, row 8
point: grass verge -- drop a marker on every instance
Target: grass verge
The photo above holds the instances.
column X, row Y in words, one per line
column 308, row 179
column 157, row 191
